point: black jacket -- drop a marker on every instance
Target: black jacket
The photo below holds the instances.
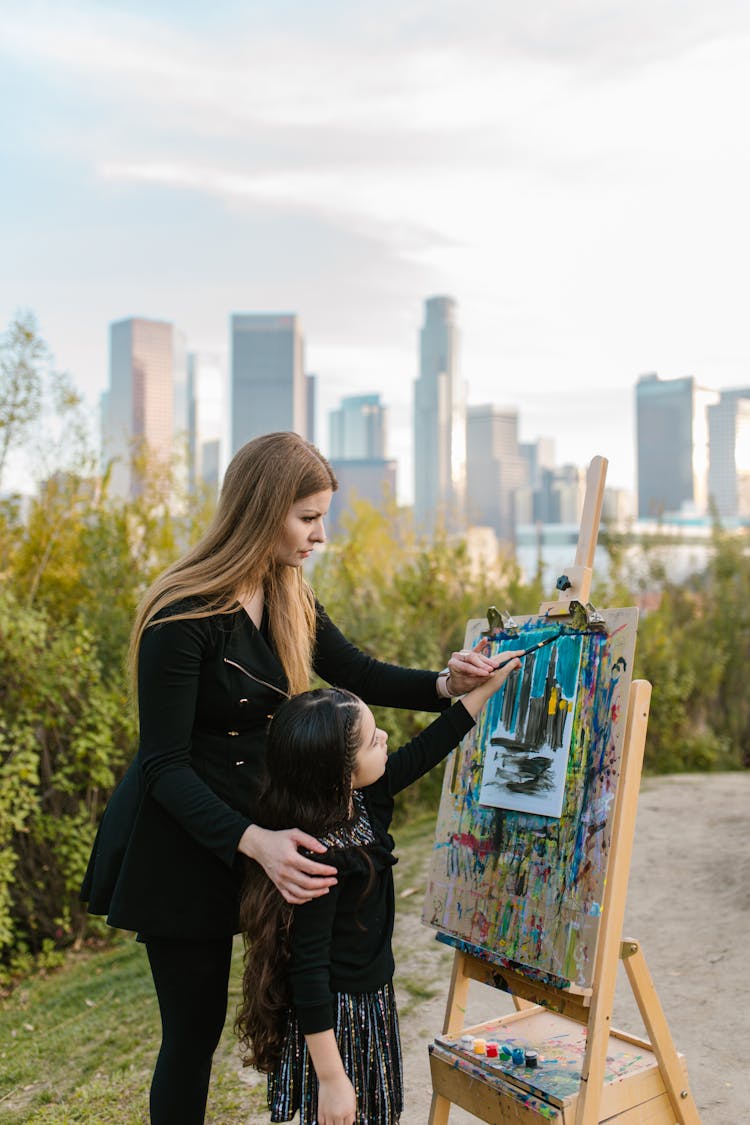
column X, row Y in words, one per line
column 165, row 858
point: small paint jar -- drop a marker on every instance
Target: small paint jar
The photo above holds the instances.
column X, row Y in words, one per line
column 480, row 1046
column 531, row 1058
column 492, row 1051
column 518, row 1056
column 506, row 1052
column 466, row 1042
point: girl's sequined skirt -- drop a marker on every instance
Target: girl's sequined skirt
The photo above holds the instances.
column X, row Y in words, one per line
column 366, row 1027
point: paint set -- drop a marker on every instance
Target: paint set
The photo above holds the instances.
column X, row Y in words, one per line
column 493, row 1052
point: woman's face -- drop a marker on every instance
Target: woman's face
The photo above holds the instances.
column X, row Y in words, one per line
column 372, row 752
column 303, row 528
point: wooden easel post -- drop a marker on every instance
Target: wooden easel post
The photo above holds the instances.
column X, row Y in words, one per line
column 658, row 1094
column 575, row 584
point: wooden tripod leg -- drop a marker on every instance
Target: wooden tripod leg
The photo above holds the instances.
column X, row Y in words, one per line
column 613, row 906
column 659, row 1034
column 458, row 992
column 440, row 1108
column 455, row 1016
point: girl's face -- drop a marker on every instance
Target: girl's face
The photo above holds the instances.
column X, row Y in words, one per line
column 303, row 528
column 372, row 751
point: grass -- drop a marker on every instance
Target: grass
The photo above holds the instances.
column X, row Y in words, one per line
column 77, row 1045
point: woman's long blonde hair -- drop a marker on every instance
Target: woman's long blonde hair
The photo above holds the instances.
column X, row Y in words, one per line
column 236, row 555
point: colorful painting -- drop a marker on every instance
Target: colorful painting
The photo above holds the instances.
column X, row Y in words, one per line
column 528, row 726
column 527, row 888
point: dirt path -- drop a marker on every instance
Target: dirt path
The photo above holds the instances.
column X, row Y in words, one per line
column 688, row 905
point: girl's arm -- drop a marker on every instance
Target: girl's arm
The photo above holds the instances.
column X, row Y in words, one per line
column 475, row 699
column 441, row 736
column 337, row 1103
column 309, row 977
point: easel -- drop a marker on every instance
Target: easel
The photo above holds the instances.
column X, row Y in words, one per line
column 649, row 1086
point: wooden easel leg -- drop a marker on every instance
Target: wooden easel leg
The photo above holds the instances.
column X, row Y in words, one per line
column 455, row 1016
column 439, row 1110
column 458, row 992
column 613, row 907
column 659, row 1034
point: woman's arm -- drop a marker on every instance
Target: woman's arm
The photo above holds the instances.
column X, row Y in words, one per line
column 168, row 671
column 342, row 664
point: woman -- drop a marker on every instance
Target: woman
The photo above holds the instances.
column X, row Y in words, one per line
column 220, row 640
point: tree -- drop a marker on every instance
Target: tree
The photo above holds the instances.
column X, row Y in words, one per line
column 23, row 355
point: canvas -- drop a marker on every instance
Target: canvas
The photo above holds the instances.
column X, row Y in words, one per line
column 525, row 729
column 523, row 887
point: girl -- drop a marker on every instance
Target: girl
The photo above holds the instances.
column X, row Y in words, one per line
column 220, row 640
column 318, row 1012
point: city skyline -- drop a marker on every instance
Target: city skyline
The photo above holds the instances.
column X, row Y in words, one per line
column 577, row 178
column 693, row 444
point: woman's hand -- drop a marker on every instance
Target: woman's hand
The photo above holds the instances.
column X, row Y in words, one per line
column 297, row 878
column 337, row 1102
column 507, row 662
column 467, row 669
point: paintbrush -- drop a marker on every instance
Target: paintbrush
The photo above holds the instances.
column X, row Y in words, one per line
column 540, row 644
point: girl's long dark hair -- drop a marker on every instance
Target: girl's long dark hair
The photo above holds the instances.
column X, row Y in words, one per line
column 312, row 747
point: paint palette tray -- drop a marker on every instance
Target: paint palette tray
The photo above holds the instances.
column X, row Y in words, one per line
column 549, row 1090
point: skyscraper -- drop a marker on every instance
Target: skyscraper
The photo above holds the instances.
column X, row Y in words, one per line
column 729, row 453
column 268, row 386
column 495, row 469
column 146, row 403
column 357, row 428
column 311, row 383
column 439, row 420
column 357, row 452
column 672, row 445
column 206, row 415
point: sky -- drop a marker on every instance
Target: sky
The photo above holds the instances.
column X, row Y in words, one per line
column 575, row 173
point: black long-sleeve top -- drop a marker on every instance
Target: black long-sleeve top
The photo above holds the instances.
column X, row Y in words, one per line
column 341, row 942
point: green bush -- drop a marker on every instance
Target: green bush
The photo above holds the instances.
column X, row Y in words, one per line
column 65, row 738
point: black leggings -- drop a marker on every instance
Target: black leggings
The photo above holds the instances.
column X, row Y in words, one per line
column 191, row 979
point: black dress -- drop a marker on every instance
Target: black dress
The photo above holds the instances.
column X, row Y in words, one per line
column 341, row 966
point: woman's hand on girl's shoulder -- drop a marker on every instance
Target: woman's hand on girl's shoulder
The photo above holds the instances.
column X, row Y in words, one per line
column 297, row 877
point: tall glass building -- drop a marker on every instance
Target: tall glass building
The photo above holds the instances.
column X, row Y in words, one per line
column 268, row 388
column 146, row 405
column 495, row 468
column 439, row 420
column 672, row 445
column 357, row 428
column 729, row 453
